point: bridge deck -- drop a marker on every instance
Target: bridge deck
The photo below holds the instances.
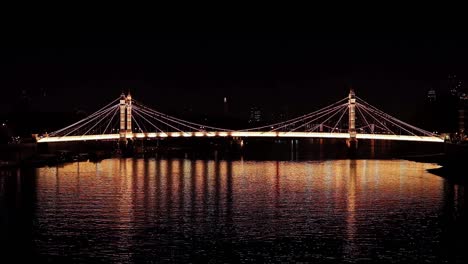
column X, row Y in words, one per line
column 240, row 134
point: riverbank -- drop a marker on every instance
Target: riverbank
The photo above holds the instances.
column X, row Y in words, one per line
column 427, row 158
column 453, row 162
column 59, row 157
column 454, row 175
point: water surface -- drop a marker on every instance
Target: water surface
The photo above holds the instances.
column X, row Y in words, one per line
column 180, row 210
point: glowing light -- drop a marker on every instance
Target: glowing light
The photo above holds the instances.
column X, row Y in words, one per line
column 174, row 134
column 79, row 138
column 399, row 137
column 243, row 134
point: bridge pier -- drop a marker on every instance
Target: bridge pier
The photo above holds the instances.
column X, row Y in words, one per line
column 294, row 149
column 352, row 143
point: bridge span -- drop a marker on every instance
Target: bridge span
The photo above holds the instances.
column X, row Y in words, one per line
column 129, row 120
column 247, row 134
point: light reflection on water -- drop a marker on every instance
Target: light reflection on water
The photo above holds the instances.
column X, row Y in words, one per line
column 143, row 210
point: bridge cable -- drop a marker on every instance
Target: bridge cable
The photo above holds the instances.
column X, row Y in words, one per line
column 174, row 119
column 142, row 111
column 110, row 121
column 296, row 118
column 89, row 121
column 365, row 119
column 137, row 112
column 338, row 109
column 86, row 118
column 105, row 115
column 321, row 114
column 424, row 132
column 344, row 107
column 368, row 111
column 344, row 112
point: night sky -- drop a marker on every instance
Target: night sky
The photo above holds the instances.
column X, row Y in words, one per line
column 175, row 71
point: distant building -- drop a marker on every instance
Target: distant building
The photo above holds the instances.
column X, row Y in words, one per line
column 458, row 93
column 463, row 97
column 25, row 101
column 452, row 84
column 455, row 86
column 225, row 107
column 462, row 115
column 255, row 115
column 461, row 120
column 283, row 114
column 431, row 95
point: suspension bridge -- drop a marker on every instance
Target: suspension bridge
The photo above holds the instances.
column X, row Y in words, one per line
column 350, row 118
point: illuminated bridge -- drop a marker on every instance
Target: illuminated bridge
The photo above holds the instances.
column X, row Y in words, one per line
column 350, row 118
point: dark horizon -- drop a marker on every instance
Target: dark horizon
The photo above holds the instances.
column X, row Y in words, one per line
column 177, row 71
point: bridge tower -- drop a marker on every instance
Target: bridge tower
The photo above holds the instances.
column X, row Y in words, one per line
column 125, row 118
column 122, row 130
column 128, row 103
column 352, row 141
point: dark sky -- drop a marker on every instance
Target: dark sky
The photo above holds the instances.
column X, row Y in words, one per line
column 176, row 70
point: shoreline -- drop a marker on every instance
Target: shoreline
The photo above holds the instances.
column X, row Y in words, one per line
column 453, row 168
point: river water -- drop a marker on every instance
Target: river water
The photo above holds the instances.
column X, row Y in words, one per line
column 209, row 211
